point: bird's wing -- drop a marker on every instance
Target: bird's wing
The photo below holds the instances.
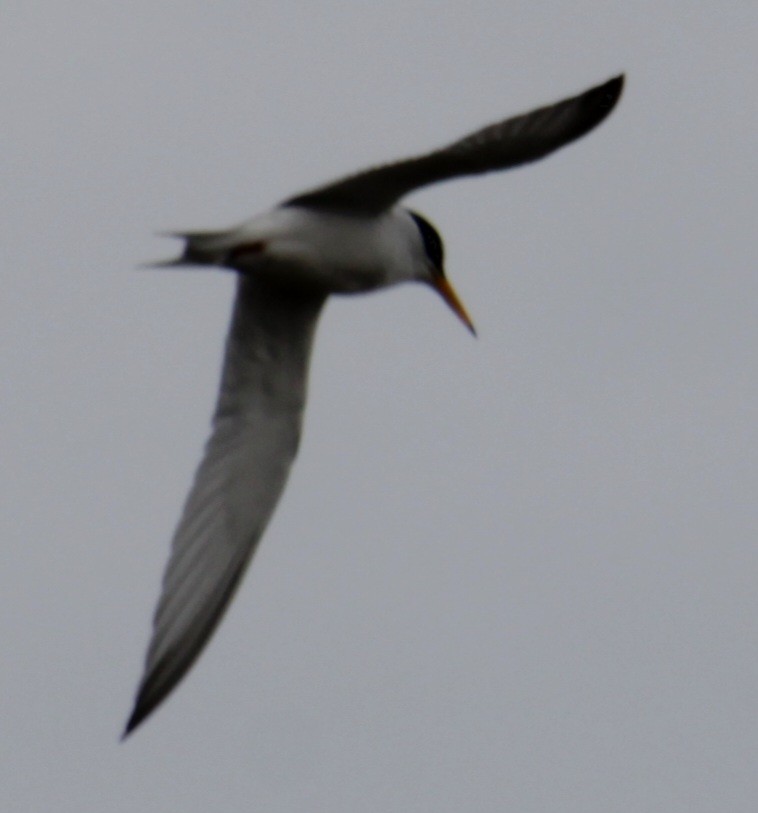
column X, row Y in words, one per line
column 256, row 429
column 506, row 144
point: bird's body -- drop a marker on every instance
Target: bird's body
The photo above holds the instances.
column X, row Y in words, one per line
column 330, row 250
column 346, row 237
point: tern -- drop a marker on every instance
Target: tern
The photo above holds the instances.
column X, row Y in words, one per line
column 345, row 237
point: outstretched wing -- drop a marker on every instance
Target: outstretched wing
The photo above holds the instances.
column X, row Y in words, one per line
column 256, row 429
column 500, row 146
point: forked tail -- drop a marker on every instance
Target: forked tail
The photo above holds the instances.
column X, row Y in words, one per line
column 201, row 248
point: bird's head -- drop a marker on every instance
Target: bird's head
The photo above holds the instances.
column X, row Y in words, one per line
column 434, row 268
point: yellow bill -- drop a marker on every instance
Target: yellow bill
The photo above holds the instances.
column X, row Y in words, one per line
column 446, row 291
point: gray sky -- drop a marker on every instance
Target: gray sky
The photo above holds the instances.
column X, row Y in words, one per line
column 518, row 573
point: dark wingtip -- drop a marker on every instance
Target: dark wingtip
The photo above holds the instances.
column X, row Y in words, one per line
column 144, row 705
column 137, row 716
column 606, row 96
column 596, row 104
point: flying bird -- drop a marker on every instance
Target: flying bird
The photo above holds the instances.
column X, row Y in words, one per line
column 345, row 237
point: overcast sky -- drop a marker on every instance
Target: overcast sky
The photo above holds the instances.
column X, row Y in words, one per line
column 515, row 573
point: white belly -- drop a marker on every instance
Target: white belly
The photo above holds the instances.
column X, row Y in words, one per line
column 339, row 253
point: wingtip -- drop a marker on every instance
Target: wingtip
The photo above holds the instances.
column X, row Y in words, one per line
column 610, row 92
column 141, row 711
column 145, row 704
column 136, row 717
column 598, row 102
column 618, row 82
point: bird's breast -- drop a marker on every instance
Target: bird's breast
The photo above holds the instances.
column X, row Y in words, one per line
column 334, row 252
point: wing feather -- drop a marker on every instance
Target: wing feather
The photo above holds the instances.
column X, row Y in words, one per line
column 256, row 430
column 503, row 145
